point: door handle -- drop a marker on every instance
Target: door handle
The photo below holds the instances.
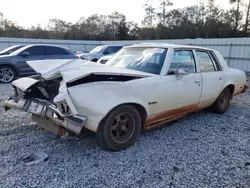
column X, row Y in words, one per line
column 221, row 78
column 197, row 82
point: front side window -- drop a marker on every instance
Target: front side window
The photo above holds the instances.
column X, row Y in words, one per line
column 143, row 59
column 182, row 59
column 50, row 50
column 206, row 63
column 35, row 50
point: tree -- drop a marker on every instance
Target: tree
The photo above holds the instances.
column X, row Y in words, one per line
column 203, row 21
column 162, row 14
column 237, row 14
column 150, row 15
column 247, row 19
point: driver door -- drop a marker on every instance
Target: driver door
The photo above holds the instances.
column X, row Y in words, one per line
column 178, row 94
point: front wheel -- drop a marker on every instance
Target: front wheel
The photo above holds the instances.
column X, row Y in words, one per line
column 221, row 104
column 120, row 128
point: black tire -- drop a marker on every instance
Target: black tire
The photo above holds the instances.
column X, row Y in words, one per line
column 7, row 74
column 221, row 104
column 120, row 128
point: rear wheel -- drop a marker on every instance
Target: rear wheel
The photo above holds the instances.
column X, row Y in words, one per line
column 120, row 128
column 221, row 104
column 7, row 74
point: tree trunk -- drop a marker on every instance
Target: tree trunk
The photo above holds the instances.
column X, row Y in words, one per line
column 247, row 19
column 237, row 17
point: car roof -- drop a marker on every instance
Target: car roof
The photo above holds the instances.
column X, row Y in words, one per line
column 28, row 46
column 167, row 45
column 107, row 45
column 46, row 45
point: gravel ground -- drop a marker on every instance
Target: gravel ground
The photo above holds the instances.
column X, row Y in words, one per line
column 201, row 150
column 4, row 91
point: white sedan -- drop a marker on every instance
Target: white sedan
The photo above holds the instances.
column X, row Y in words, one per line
column 142, row 86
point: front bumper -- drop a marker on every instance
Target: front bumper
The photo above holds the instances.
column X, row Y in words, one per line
column 45, row 111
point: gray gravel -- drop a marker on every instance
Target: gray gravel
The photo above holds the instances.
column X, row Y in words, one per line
column 201, row 150
column 4, row 91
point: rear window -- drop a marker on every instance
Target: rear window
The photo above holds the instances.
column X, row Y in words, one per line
column 50, row 50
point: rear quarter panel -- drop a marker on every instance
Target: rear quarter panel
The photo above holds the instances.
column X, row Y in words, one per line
column 233, row 76
column 237, row 78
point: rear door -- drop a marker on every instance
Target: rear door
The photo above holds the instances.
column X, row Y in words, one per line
column 213, row 77
column 53, row 52
column 35, row 53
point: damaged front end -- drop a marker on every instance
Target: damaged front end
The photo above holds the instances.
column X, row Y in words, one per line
column 56, row 97
column 36, row 96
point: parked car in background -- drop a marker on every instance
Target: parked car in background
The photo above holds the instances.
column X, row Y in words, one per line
column 10, row 49
column 14, row 64
column 105, row 58
column 100, row 51
column 113, row 99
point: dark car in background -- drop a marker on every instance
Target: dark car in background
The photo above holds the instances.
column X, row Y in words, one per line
column 11, row 49
column 14, row 64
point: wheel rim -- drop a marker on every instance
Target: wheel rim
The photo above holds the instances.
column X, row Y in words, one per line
column 6, row 75
column 122, row 127
column 223, row 100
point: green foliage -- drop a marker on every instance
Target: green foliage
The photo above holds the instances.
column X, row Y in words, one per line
column 160, row 22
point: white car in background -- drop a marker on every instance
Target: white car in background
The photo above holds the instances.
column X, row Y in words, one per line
column 105, row 58
column 100, row 51
column 142, row 86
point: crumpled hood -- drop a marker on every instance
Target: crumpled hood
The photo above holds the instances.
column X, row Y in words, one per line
column 75, row 69
column 93, row 68
column 50, row 69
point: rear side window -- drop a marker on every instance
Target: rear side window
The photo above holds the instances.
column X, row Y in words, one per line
column 215, row 61
column 206, row 63
column 35, row 50
column 116, row 48
column 50, row 50
column 112, row 49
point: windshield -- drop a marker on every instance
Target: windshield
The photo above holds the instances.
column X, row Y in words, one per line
column 97, row 49
column 10, row 50
column 143, row 59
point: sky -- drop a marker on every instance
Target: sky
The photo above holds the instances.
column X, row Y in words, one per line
column 32, row 12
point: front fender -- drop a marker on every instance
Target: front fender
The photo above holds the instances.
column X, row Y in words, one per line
column 96, row 100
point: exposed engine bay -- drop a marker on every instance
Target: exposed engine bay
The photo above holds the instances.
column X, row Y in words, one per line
column 44, row 89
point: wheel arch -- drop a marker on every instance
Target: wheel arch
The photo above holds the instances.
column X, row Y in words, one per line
column 140, row 108
column 231, row 87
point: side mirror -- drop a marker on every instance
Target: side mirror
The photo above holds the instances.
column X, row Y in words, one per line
column 25, row 54
column 180, row 72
